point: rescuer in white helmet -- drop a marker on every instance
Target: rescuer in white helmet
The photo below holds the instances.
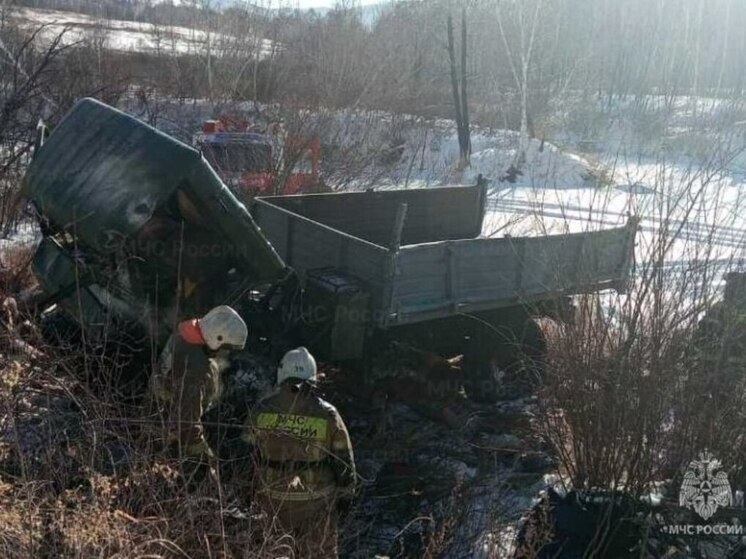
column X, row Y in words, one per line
column 188, row 380
column 304, row 455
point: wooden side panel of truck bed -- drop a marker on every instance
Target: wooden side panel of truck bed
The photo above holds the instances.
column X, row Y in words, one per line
column 435, row 280
column 305, row 244
column 419, row 282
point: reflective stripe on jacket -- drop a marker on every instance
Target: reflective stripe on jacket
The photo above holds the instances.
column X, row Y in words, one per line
column 304, row 448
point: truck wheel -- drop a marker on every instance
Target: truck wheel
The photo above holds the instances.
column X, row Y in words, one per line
column 503, row 360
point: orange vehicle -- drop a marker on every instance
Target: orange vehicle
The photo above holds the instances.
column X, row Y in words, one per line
column 256, row 164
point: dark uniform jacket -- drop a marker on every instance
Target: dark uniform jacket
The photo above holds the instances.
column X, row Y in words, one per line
column 185, row 369
column 187, row 383
column 303, row 445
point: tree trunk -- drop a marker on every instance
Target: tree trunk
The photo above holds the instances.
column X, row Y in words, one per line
column 455, row 88
column 466, row 148
column 460, row 100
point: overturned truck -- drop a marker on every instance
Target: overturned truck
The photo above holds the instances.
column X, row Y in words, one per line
column 139, row 232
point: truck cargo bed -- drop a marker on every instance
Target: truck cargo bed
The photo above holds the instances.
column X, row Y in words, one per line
column 426, row 260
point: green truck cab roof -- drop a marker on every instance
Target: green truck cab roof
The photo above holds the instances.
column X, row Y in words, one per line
column 102, row 174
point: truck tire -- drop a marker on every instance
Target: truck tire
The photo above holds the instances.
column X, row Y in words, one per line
column 503, row 359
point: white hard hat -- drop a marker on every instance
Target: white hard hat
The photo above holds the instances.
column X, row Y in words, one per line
column 223, row 326
column 297, row 363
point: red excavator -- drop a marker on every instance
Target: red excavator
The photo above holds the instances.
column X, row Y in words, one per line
column 263, row 163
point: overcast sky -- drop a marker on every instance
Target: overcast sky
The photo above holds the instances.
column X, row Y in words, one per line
column 326, row 3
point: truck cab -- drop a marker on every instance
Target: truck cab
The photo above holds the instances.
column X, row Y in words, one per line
column 260, row 163
column 138, row 229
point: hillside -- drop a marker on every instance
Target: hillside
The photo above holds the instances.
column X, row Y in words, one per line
column 128, row 36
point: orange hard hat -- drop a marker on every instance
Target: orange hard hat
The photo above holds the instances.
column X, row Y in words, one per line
column 191, row 332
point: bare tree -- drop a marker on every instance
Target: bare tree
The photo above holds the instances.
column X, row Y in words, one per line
column 526, row 21
column 460, row 99
column 27, row 74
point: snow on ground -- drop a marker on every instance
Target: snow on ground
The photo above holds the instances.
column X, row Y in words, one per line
column 686, row 188
column 24, row 234
column 493, row 154
column 129, row 36
column 689, row 191
column 696, row 202
column 408, row 152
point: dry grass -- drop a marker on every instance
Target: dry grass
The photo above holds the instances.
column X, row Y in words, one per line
column 83, row 471
column 15, row 270
column 63, row 495
column 83, row 475
column 629, row 399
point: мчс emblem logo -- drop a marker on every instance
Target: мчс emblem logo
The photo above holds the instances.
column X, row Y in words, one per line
column 705, row 487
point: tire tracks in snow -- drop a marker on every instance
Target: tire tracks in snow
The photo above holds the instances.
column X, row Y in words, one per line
column 697, row 231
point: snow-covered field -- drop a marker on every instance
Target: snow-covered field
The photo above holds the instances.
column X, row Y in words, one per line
column 687, row 185
column 130, row 36
column 693, row 203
